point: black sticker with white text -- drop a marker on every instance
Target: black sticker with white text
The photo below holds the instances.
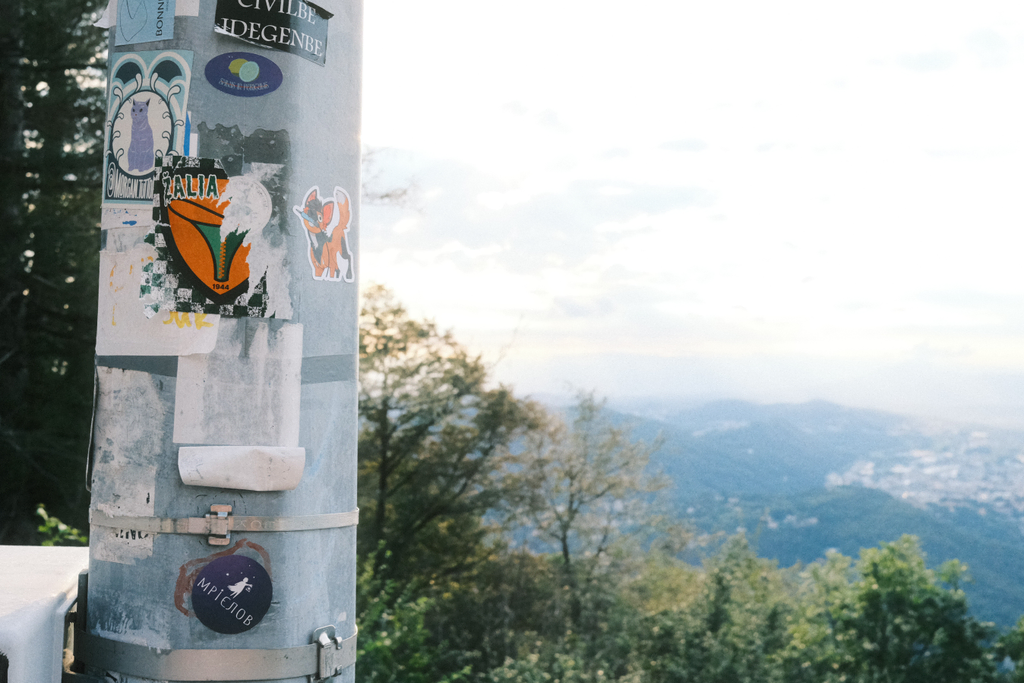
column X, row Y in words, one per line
column 292, row 26
column 232, row 594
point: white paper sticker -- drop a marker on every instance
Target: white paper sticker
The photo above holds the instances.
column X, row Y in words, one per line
column 250, row 468
column 246, row 391
column 122, row 328
column 187, row 8
column 108, row 17
column 111, row 218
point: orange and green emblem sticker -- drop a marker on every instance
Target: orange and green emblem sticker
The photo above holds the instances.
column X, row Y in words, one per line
column 204, row 221
column 214, row 256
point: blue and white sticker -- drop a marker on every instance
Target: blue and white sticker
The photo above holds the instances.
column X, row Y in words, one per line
column 232, row 594
column 144, row 21
column 243, row 74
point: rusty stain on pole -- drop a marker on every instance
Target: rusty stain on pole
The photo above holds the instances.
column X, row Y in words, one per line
column 224, row 461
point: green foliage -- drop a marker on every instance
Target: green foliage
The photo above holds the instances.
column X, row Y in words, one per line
column 1011, row 646
column 899, row 623
column 394, row 645
column 580, row 486
column 432, row 438
column 504, row 606
column 556, row 667
column 576, row 489
column 583, row 596
column 736, row 629
column 889, row 619
column 813, row 652
column 55, row 532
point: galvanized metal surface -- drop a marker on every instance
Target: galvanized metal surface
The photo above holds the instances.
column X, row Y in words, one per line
column 203, row 526
column 307, row 130
column 213, row 665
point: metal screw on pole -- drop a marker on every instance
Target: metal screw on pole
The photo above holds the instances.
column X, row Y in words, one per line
column 222, row 543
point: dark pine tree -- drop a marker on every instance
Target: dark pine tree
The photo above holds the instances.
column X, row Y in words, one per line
column 51, row 132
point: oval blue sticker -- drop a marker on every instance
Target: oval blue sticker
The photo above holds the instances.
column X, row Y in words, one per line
column 243, row 74
column 232, row 594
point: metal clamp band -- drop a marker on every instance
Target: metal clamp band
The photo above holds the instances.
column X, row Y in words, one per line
column 215, row 665
column 334, row 654
column 204, row 526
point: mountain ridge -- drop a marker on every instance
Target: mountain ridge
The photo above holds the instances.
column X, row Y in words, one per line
column 804, row 478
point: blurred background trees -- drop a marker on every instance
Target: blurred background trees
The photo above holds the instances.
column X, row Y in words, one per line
column 509, row 543
column 432, row 438
column 51, row 111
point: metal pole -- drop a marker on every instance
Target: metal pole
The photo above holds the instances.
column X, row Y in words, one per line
column 223, row 468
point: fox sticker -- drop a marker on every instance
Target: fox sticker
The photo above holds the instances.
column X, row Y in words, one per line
column 326, row 223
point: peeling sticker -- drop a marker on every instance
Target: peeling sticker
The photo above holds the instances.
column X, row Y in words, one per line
column 326, row 224
column 206, row 226
column 124, row 229
column 121, row 546
column 145, row 121
column 246, row 391
column 122, row 328
column 124, row 474
column 126, row 218
column 108, row 17
column 243, row 74
column 270, row 253
column 293, row 26
column 144, row 21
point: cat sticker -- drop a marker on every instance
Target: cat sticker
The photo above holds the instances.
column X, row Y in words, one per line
column 325, row 222
column 145, row 121
column 140, row 149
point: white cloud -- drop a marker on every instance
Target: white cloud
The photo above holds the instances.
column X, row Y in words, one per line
column 704, row 180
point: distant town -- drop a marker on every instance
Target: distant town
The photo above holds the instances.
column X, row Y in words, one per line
column 980, row 469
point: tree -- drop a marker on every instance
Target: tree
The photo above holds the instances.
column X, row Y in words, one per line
column 814, row 654
column 432, row 437
column 583, row 486
column 735, row 631
column 1011, row 645
column 51, row 111
column 899, row 624
column 576, row 490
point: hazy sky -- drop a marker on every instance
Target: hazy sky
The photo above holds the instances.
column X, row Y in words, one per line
column 774, row 201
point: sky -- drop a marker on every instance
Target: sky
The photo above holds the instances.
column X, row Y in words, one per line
column 689, row 200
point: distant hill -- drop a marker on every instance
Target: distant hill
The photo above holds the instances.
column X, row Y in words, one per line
column 801, row 479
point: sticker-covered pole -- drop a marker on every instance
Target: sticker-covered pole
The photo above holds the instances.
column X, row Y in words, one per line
column 223, row 465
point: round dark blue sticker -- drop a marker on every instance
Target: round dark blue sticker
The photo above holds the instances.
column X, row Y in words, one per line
column 232, row 594
column 243, row 74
